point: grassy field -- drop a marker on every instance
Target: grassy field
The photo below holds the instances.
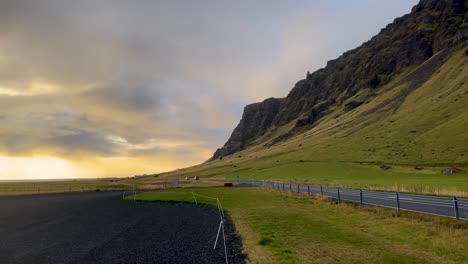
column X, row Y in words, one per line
column 427, row 127
column 93, row 185
column 427, row 180
column 284, row 228
column 366, row 177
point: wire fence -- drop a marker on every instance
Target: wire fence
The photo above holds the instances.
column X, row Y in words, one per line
column 454, row 206
column 221, row 218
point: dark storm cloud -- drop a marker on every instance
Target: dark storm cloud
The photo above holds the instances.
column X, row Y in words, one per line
column 143, row 96
column 83, row 142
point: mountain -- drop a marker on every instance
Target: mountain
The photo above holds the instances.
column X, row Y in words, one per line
column 256, row 120
column 400, row 97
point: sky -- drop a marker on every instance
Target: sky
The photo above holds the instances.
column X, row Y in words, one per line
column 117, row 88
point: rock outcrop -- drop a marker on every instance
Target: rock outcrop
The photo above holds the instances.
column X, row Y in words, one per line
column 256, row 120
column 431, row 27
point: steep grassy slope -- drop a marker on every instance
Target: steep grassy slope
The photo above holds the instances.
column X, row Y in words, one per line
column 371, row 82
column 428, row 128
column 426, row 133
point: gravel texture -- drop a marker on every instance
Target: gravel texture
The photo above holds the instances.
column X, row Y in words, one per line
column 102, row 228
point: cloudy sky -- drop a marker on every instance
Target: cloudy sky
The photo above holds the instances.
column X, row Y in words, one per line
column 115, row 88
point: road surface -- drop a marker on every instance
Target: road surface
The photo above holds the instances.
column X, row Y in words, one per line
column 429, row 204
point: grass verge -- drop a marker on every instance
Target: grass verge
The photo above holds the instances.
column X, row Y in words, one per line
column 363, row 176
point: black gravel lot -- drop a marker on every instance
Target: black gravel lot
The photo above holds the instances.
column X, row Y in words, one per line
column 102, row 228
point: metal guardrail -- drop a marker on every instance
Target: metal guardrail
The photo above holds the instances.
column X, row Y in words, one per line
column 429, row 204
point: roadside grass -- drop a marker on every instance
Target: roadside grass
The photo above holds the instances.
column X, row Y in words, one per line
column 20, row 188
column 286, row 228
column 427, row 180
column 170, row 182
column 366, row 177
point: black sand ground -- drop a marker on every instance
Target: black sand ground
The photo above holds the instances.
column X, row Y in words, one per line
column 102, row 228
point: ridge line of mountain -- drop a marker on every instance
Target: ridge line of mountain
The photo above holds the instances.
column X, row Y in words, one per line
column 423, row 40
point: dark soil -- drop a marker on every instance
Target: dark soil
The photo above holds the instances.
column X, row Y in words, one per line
column 102, row 228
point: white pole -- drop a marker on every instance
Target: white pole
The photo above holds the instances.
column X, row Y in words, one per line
column 220, row 207
column 221, row 224
column 219, row 229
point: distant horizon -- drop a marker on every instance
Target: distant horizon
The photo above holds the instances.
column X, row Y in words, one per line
column 137, row 87
column 63, row 179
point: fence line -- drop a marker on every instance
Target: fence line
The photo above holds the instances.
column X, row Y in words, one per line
column 454, row 207
column 220, row 210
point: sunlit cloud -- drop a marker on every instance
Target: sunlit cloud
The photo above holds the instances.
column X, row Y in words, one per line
column 36, row 168
column 34, row 87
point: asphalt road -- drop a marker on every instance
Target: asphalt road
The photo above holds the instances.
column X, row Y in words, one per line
column 429, row 204
column 102, row 228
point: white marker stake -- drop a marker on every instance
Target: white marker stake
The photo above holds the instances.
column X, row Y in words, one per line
column 220, row 207
column 219, row 229
column 195, row 198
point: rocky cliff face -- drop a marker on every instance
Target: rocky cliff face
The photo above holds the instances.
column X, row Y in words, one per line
column 256, row 120
column 433, row 27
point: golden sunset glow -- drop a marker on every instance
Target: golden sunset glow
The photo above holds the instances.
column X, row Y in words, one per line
column 36, row 168
column 56, row 168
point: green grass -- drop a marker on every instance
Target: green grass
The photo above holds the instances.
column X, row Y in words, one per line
column 282, row 228
column 362, row 176
column 428, row 128
column 428, row 180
